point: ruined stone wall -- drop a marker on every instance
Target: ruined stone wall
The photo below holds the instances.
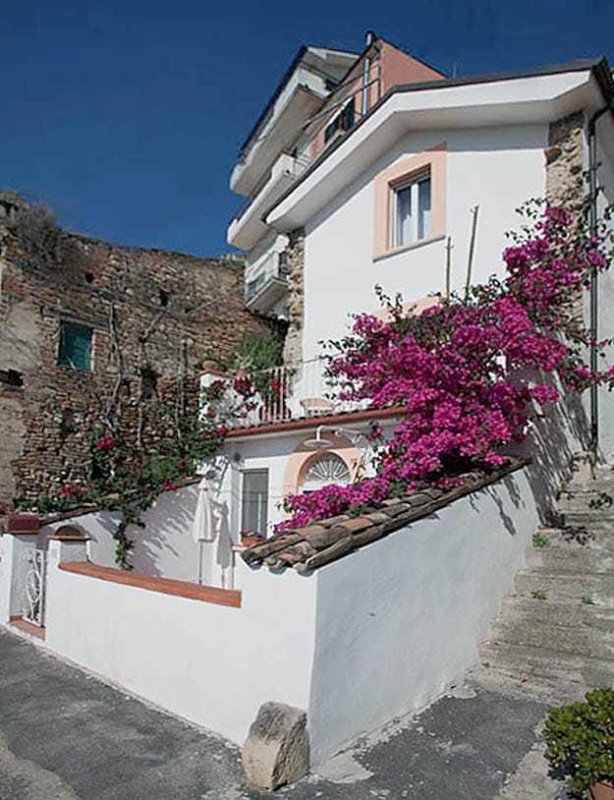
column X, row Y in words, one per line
column 295, row 260
column 564, row 173
column 564, row 161
column 165, row 311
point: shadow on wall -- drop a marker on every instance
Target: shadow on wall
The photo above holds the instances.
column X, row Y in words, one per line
column 165, row 547
column 555, row 438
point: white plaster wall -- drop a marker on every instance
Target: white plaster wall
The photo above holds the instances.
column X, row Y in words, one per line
column 99, row 527
column 211, row 664
column 400, row 618
column 497, row 168
column 257, row 453
column 605, row 156
column 165, row 547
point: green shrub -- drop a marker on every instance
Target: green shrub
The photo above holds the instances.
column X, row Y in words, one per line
column 580, row 740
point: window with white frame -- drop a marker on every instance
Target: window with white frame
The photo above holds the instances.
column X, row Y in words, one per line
column 411, row 211
column 255, row 500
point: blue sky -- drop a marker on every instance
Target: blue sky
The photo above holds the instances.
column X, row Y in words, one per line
column 126, row 116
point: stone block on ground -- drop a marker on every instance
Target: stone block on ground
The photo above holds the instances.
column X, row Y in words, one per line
column 276, row 751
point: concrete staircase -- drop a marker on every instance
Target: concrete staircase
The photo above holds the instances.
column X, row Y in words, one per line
column 554, row 638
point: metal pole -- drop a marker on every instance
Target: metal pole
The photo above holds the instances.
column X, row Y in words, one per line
column 448, row 265
column 474, row 226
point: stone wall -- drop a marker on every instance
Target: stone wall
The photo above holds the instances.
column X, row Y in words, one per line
column 295, row 260
column 564, row 161
column 564, row 172
column 163, row 311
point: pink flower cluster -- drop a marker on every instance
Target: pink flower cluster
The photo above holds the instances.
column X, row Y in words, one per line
column 467, row 372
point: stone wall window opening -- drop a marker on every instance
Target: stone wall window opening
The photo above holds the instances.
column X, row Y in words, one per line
column 326, row 469
column 149, row 383
column 411, row 210
column 11, row 379
column 75, row 346
column 255, row 501
column 163, row 297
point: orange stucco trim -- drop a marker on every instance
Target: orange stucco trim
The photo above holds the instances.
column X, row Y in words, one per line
column 303, row 457
column 404, row 170
column 193, row 591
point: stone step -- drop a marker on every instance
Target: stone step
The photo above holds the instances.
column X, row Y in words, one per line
column 567, row 559
column 582, row 641
column 526, row 610
column 553, row 667
column 560, row 587
column 594, row 537
column 537, row 687
column 586, row 516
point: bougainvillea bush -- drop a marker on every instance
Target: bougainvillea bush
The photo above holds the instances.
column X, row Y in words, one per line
column 468, row 372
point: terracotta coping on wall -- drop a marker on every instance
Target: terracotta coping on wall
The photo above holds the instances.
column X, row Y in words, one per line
column 323, row 541
column 313, row 422
column 192, row 591
column 67, row 537
column 27, row 627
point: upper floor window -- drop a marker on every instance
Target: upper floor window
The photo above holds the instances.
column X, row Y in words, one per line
column 75, row 348
column 411, row 211
column 410, row 202
column 342, row 122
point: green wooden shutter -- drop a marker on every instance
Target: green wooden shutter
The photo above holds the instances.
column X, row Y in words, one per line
column 75, row 346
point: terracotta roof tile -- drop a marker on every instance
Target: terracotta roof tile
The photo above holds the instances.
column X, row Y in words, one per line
column 310, row 547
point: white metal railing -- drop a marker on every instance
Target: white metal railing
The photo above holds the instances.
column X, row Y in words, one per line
column 34, row 587
column 274, row 395
column 273, row 268
column 295, row 392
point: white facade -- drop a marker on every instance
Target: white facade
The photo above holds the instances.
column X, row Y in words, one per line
column 495, row 168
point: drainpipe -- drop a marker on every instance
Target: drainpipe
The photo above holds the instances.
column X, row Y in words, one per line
column 366, row 68
column 594, row 304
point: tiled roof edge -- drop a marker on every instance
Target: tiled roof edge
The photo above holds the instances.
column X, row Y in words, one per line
column 311, row 547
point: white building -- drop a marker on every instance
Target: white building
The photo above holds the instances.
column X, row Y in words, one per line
column 362, row 170
column 391, row 171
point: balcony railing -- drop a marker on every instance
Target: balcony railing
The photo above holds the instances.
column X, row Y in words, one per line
column 285, row 393
column 273, row 275
column 324, row 128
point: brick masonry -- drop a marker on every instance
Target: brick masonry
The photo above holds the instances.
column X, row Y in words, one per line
column 192, row 308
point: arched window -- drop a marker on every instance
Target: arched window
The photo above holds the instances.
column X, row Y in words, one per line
column 328, row 468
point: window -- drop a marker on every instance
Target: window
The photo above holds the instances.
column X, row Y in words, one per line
column 409, row 203
column 411, row 215
column 75, row 350
column 11, row 378
column 327, row 469
column 255, row 500
column 342, row 122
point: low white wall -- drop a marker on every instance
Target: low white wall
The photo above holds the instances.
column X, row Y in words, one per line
column 399, row 619
column 164, row 548
column 99, row 527
column 211, row 664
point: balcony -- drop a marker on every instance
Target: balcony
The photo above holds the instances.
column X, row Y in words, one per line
column 284, row 393
column 269, row 286
column 247, row 227
column 351, row 101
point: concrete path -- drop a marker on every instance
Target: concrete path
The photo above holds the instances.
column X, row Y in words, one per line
column 66, row 736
